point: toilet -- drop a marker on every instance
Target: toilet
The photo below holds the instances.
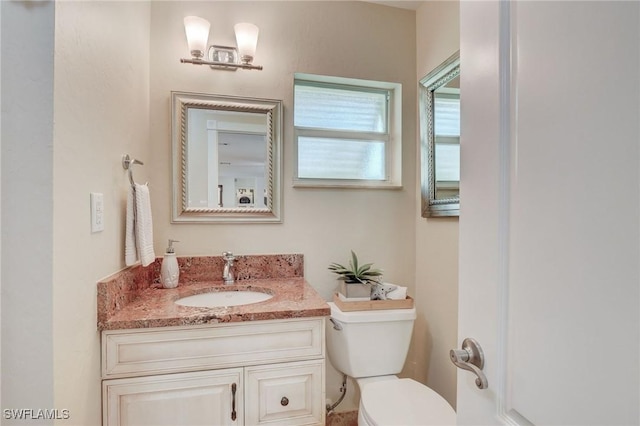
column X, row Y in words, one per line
column 371, row 347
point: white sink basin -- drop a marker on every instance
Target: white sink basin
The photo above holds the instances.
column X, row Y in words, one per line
column 217, row 299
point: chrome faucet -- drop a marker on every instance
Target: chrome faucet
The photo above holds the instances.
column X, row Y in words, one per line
column 227, row 272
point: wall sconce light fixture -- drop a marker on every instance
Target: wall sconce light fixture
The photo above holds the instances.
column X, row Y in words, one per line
column 221, row 57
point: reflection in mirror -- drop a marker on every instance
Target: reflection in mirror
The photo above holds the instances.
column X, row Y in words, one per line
column 446, row 131
column 440, row 139
column 226, row 157
column 226, row 153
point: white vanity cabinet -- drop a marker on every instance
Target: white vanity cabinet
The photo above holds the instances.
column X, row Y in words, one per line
column 248, row 373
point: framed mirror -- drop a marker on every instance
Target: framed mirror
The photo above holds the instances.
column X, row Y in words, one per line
column 226, row 155
column 440, row 139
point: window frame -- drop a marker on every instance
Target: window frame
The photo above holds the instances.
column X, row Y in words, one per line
column 392, row 138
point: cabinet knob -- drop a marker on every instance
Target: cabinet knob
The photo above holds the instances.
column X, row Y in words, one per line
column 284, row 401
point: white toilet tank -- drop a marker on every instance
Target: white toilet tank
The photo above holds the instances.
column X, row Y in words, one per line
column 369, row 343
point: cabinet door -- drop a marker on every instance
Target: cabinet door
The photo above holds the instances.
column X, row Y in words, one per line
column 285, row 394
column 199, row 398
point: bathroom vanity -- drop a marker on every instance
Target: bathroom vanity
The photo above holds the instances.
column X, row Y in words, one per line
column 255, row 364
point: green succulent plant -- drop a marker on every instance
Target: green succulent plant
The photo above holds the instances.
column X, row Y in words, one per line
column 356, row 273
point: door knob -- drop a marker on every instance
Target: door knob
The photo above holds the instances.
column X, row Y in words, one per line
column 470, row 358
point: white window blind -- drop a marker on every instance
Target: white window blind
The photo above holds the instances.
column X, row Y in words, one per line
column 342, row 132
column 447, row 137
column 327, row 158
column 447, row 162
column 447, row 115
column 328, row 107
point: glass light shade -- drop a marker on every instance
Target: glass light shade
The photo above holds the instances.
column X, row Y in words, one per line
column 197, row 30
column 247, row 39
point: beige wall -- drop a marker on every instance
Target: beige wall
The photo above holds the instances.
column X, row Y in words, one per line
column 115, row 65
column 349, row 39
column 101, row 111
column 436, row 250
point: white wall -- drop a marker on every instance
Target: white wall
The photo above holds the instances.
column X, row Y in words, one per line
column 101, row 112
column 27, row 118
column 350, row 39
column 436, row 250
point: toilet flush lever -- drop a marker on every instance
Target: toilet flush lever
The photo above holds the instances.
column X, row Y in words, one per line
column 336, row 324
column 471, row 358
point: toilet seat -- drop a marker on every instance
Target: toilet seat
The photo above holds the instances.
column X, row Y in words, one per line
column 403, row 402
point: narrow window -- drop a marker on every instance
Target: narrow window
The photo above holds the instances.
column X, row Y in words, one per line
column 447, row 139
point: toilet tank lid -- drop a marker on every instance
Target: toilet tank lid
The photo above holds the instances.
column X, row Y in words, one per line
column 373, row 315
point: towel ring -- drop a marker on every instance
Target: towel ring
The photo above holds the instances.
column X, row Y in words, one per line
column 127, row 164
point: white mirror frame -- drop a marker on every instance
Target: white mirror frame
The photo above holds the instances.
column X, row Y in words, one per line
column 432, row 207
column 272, row 109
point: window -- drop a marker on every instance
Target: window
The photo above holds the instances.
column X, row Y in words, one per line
column 447, row 138
column 347, row 132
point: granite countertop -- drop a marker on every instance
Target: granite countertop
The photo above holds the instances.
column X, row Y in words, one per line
column 155, row 307
column 133, row 298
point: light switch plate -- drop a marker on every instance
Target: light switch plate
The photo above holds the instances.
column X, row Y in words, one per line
column 97, row 212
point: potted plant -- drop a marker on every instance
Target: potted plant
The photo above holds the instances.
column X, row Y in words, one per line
column 355, row 280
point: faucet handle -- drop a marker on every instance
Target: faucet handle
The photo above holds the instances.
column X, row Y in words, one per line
column 227, row 272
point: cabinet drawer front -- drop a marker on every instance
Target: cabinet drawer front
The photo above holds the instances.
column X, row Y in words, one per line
column 285, row 394
column 207, row 397
column 178, row 349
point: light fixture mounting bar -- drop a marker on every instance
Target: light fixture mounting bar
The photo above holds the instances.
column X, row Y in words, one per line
column 196, row 61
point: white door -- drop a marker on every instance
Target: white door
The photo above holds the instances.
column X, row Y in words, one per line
column 550, row 211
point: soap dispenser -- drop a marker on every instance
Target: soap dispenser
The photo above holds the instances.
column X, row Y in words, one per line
column 169, row 271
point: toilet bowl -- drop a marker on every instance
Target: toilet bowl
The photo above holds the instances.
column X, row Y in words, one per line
column 402, row 402
column 371, row 347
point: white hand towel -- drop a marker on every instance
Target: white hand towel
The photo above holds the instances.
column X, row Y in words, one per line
column 130, row 252
column 400, row 293
column 144, row 225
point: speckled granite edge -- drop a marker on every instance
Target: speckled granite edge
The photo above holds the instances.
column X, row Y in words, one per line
column 123, row 287
column 252, row 267
column 118, row 290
